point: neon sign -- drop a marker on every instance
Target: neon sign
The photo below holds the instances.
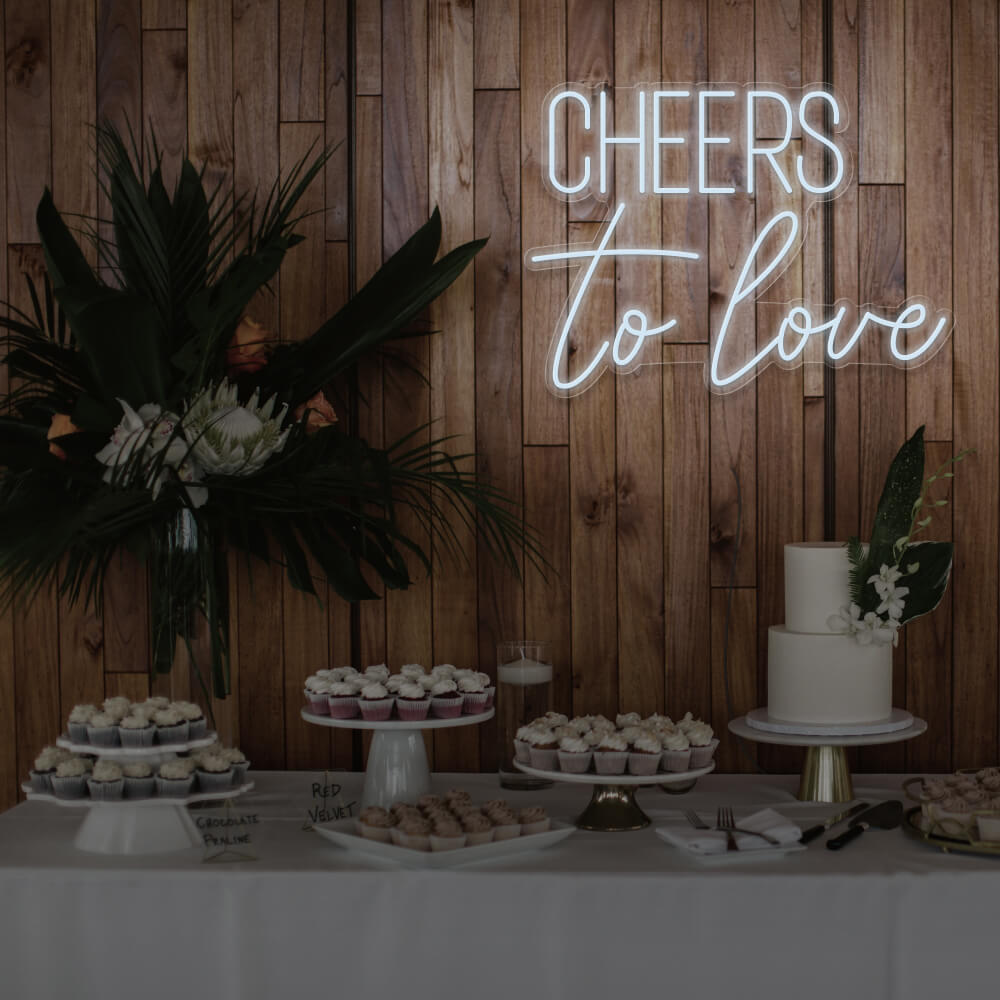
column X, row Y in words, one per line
column 910, row 336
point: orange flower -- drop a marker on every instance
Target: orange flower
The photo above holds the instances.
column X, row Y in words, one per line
column 321, row 413
column 60, row 426
column 249, row 348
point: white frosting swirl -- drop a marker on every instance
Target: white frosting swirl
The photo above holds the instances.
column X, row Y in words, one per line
column 699, row 734
column 168, row 717
column 444, row 685
column 377, row 672
column 574, row 744
column 135, row 722
column 471, row 684
column 106, row 770
column 412, row 670
column 75, row 767
column 175, row 770
column 409, row 691
column 613, row 742
column 675, row 740
column 117, row 708
column 443, row 670
column 213, row 763
column 82, row 713
column 374, row 692
column 102, row 720
column 343, row 689
column 395, row 682
column 645, row 743
column 627, row 719
column 137, row 769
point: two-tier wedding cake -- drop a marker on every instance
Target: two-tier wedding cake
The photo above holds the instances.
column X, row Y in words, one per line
column 815, row 675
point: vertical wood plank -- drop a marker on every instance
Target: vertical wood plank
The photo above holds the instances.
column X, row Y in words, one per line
column 740, row 667
column 543, row 219
column 687, row 600
column 639, row 397
column 497, row 48
column 881, row 90
column 451, row 113
column 338, row 101
column 498, row 382
column 210, row 88
column 593, row 512
column 368, row 48
column 778, row 52
column 9, row 777
column 977, row 384
column 300, row 60
column 164, row 111
column 814, row 468
column 134, row 686
column 126, row 614
column 928, row 202
column 159, row 14
column 731, row 233
column 29, row 115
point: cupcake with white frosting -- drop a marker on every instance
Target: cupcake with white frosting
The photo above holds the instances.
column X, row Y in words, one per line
column 473, row 694
column 676, row 756
column 543, row 749
column 78, row 720
column 506, row 825
column 195, row 717
column 703, row 743
column 106, row 782
column 139, row 780
column 489, row 687
column 45, row 767
column 377, row 672
column 343, row 700
column 175, row 779
column 446, row 699
column 624, row 719
column 239, row 764
column 214, row 773
column 102, row 730
column 317, row 692
column 394, row 682
column 611, row 755
column 375, row 702
column 412, row 670
column 444, row 670
column 70, row 779
column 136, row 730
column 117, row 708
column 574, row 755
column 412, row 701
column 644, row 756
column 522, row 745
column 171, row 726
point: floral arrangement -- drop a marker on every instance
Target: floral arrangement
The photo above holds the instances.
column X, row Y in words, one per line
column 151, row 412
column 894, row 578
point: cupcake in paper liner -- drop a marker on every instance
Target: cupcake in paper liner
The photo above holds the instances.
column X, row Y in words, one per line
column 574, row 755
column 342, row 702
column 40, row 778
column 489, row 687
column 70, row 779
column 375, row 702
column 506, row 825
column 447, row 835
column 171, row 726
column 473, row 694
column 136, row 731
column 644, row 758
column 478, row 829
column 175, row 779
column 139, row 780
column 412, row 701
column 611, row 754
column 534, row 819
column 376, row 823
column 195, row 718
column 522, row 748
column 676, row 756
column 703, row 743
column 239, row 763
column 317, row 692
column 215, row 773
column 543, row 747
column 102, row 730
column 79, row 719
column 106, row 782
column 446, row 699
column 414, row 832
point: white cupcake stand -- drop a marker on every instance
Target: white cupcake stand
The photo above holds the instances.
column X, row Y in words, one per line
column 397, row 762
column 137, row 826
column 612, row 807
column 825, row 775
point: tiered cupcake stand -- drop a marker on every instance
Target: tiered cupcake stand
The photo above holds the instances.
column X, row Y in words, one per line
column 138, row 826
column 397, row 762
column 612, row 807
column 826, row 776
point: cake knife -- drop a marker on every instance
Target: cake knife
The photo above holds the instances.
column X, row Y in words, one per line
column 820, row 828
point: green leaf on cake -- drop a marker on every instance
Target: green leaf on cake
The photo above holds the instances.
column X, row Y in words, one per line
column 928, row 583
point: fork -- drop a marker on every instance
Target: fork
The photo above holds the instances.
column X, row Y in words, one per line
column 695, row 820
column 725, row 820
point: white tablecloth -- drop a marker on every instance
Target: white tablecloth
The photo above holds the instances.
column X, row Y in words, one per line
column 600, row 915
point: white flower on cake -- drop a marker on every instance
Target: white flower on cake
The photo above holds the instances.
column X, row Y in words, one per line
column 866, row 629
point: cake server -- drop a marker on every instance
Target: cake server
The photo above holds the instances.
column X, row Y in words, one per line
column 884, row 816
column 820, row 828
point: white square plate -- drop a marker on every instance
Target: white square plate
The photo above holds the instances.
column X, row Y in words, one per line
column 725, row 857
column 343, row 832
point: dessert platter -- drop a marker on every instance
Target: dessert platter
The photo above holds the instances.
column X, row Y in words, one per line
column 616, row 758
column 136, row 797
column 397, row 708
column 445, row 831
column 827, row 687
column 956, row 812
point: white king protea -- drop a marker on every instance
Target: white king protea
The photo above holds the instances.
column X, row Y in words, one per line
column 230, row 438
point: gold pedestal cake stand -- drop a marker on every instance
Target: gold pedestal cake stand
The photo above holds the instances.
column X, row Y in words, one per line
column 612, row 807
column 825, row 775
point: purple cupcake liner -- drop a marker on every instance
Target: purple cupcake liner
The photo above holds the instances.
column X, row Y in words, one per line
column 413, row 710
column 474, row 703
column 446, row 708
column 319, row 704
column 343, row 707
column 377, row 710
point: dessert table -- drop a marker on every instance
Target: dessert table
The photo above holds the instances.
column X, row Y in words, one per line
column 598, row 915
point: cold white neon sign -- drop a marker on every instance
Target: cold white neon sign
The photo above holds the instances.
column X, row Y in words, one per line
column 775, row 245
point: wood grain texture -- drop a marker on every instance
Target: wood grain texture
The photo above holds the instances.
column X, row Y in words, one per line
column 119, row 62
column 164, row 14
column 338, row 120
column 881, row 119
column 497, row 44
column 164, row 111
column 368, row 47
column 778, row 56
column 300, row 60
column 210, row 87
column 734, row 672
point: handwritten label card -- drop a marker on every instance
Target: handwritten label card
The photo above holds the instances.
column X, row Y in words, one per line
column 328, row 804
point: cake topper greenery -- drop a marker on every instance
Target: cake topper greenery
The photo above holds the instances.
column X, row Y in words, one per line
column 896, row 578
column 151, row 412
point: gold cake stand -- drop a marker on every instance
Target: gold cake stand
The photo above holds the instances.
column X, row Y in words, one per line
column 612, row 807
column 826, row 776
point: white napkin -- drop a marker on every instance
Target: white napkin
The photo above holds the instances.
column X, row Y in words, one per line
column 714, row 841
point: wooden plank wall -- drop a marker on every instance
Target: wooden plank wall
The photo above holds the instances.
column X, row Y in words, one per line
column 634, row 484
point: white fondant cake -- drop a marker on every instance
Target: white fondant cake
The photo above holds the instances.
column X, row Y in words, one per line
column 815, row 675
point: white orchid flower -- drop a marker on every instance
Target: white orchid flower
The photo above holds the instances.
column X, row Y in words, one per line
column 893, row 602
column 847, row 620
column 885, row 580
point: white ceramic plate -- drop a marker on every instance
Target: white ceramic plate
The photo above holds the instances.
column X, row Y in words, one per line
column 139, row 753
column 343, row 832
column 725, row 857
column 592, row 778
column 396, row 725
column 897, row 720
column 152, row 801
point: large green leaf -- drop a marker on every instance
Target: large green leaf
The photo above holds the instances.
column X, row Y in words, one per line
column 929, row 582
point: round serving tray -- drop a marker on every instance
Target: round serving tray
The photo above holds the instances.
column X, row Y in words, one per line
column 612, row 807
column 897, row 720
column 120, row 752
column 397, row 725
column 913, row 824
column 151, row 801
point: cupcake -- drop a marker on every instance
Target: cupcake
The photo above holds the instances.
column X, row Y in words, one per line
column 136, row 731
column 139, row 780
column 102, row 730
column 644, row 758
column 611, row 755
column 543, row 748
column 106, row 782
column 703, row 744
column 553, row 719
column 70, row 779
column 427, row 681
column 447, row 835
column 78, row 720
column 376, row 823
column 489, row 687
column 343, row 700
column 627, row 719
column 411, row 670
column 239, row 764
column 412, row 701
column 215, row 773
column 533, row 819
column 394, row 682
column 444, row 670
column 45, row 767
column 429, row 801
column 506, row 825
column 117, row 708
column 446, row 700
column 195, row 717
column 175, row 779
column 377, row 672
column 413, row 832
column 156, row 703
column 473, row 695
column 676, row 756
column 522, row 747
column 375, row 702
column 340, row 674
column 317, row 692
column 574, row 755
column 171, row 726
column 478, row 829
